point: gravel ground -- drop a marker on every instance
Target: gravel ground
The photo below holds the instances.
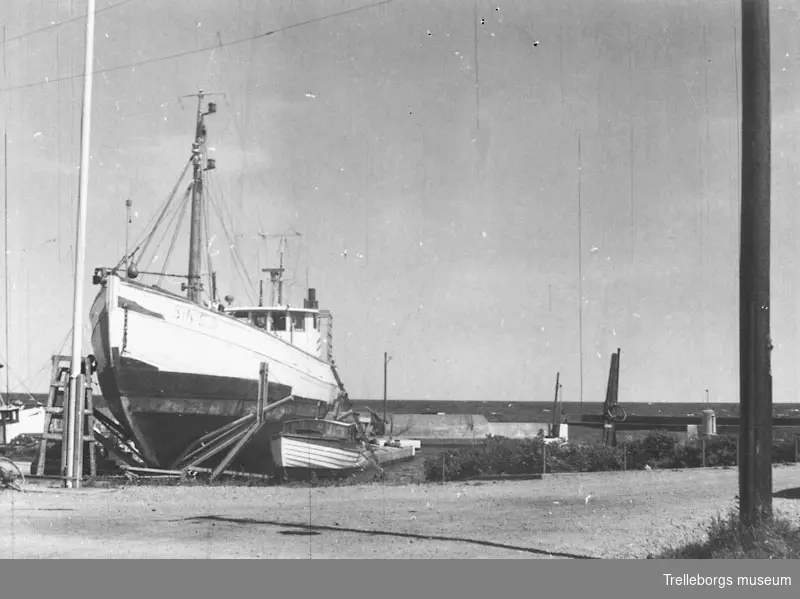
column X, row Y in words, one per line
column 629, row 515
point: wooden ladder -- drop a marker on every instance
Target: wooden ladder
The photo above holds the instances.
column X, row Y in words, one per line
column 54, row 415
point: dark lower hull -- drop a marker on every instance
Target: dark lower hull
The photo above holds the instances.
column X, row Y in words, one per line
column 165, row 412
column 170, row 434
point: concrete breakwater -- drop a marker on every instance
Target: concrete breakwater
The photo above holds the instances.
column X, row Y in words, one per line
column 449, row 429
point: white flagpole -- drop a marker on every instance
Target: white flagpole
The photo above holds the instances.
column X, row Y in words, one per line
column 75, row 404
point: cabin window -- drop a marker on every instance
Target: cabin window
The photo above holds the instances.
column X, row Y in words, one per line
column 298, row 321
column 241, row 316
column 260, row 321
column 279, row 322
column 331, row 430
column 306, row 427
column 337, row 431
column 9, row 416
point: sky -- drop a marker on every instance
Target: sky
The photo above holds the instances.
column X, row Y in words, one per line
column 433, row 155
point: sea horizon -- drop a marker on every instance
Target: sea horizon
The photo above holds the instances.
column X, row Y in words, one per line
column 517, row 410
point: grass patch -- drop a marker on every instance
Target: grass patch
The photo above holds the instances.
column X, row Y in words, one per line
column 659, row 450
column 777, row 538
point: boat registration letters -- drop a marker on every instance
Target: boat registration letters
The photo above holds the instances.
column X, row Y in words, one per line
column 192, row 316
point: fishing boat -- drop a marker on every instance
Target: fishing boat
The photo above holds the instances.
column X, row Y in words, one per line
column 321, row 446
column 173, row 367
column 17, row 419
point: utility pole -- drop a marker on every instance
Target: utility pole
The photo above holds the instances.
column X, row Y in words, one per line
column 755, row 373
column 386, row 359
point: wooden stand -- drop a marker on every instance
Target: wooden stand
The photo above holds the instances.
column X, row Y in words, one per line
column 54, row 413
column 236, row 434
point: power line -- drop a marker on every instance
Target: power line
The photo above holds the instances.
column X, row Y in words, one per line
column 67, row 22
column 219, row 44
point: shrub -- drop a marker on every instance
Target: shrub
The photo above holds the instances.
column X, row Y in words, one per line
column 721, row 451
column 656, row 450
column 456, row 465
column 568, row 457
column 783, row 448
column 500, row 455
column 604, row 458
column 776, row 538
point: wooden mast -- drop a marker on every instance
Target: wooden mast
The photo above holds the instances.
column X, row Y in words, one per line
column 194, row 285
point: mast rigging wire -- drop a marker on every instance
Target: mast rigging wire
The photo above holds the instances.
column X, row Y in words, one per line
column 150, row 227
column 182, row 210
column 225, row 213
column 210, row 266
column 235, row 255
column 247, row 161
column 172, row 218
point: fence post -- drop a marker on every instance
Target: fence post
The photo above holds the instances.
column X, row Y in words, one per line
column 544, row 458
column 625, row 457
column 703, row 450
column 443, row 466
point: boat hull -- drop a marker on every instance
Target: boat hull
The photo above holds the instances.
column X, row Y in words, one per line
column 298, row 454
column 31, row 422
column 171, row 371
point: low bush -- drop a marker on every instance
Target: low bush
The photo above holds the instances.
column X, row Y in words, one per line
column 776, row 538
column 500, row 455
column 497, row 455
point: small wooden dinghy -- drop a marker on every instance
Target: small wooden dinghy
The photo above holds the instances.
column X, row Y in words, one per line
column 318, row 445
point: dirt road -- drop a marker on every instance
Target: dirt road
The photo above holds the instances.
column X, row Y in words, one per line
column 627, row 515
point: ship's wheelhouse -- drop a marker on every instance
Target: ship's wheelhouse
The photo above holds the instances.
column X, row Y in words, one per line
column 298, row 326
